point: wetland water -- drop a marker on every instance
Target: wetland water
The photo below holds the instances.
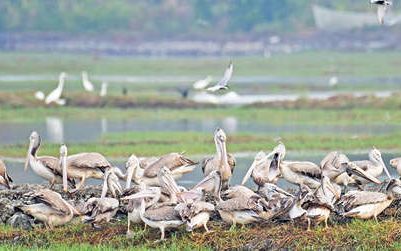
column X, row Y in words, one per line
column 16, row 170
column 58, row 130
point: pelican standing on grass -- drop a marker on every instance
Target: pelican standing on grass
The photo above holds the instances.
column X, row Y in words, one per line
column 195, row 214
column 221, row 161
column 55, row 95
column 82, row 166
column 5, row 179
column 223, row 83
column 88, row 86
column 52, row 210
column 46, row 167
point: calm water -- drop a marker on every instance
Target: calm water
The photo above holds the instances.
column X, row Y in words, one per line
column 17, row 172
column 58, row 130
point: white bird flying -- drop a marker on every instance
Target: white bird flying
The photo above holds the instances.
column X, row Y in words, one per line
column 202, row 83
column 223, row 83
column 382, row 8
column 88, row 86
column 55, row 95
column 103, row 90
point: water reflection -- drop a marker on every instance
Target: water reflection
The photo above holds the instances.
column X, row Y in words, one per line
column 57, row 130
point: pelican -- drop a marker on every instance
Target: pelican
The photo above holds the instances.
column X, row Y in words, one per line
column 320, row 207
column 195, row 214
column 374, row 166
column 210, row 184
column 396, row 163
column 44, row 166
column 367, row 205
column 55, row 95
column 223, row 83
column 220, row 161
column 339, row 169
column 103, row 89
column 296, row 211
column 263, row 170
column 82, row 166
column 133, row 207
column 88, row 86
column 52, row 210
column 202, row 84
column 160, row 216
column 5, row 179
column 103, row 209
column 175, row 162
column 279, row 202
column 382, row 8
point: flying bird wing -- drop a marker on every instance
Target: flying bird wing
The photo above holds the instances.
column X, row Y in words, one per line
column 381, row 12
column 227, row 76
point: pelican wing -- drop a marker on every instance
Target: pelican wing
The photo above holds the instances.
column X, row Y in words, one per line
column 201, row 206
column 51, row 163
column 306, row 167
column 357, row 198
column 240, row 204
column 171, row 161
column 3, row 172
column 163, row 213
column 88, row 160
column 333, row 160
column 103, row 205
column 53, row 200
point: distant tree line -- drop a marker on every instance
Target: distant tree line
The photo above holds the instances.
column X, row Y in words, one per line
column 163, row 17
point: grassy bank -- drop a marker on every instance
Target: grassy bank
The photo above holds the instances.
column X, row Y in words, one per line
column 357, row 234
column 157, row 143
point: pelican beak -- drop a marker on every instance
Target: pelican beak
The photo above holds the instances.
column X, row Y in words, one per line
column 28, row 154
column 278, row 189
column 143, row 194
column 354, row 169
column 385, row 168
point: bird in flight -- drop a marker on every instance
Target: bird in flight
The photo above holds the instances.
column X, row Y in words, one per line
column 382, row 8
column 223, row 83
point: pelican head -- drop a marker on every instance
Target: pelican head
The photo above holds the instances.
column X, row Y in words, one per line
column 34, row 143
column 328, row 187
column 376, row 156
column 220, row 136
column 63, row 165
column 132, row 166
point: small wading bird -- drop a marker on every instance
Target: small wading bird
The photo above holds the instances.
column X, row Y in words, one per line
column 55, row 95
column 88, row 86
column 5, row 179
column 52, row 209
column 223, row 83
column 382, row 8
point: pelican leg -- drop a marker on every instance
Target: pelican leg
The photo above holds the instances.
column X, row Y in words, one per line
column 129, row 234
column 205, row 226
column 81, row 183
column 375, row 217
column 325, row 223
column 309, row 223
column 162, row 234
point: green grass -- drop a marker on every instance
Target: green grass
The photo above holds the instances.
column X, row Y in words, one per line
column 357, row 234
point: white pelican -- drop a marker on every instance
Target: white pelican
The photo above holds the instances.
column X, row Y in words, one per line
column 103, row 89
column 88, row 86
column 46, row 167
column 52, row 210
column 159, row 216
column 223, row 83
column 195, row 213
column 82, row 166
column 374, row 166
column 366, row 204
column 177, row 163
column 5, row 179
column 220, row 161
column 382, row 8
column 55, row 95
column 202, row 84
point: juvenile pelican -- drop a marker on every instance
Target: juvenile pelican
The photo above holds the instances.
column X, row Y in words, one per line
column 396, row 163
column 210, row 184
column 320, row 207
column 263, row 170
column 55, row 95
column 367, row 205
column 220, row 161
column 88, row 86
column 52, row 210
column 279, row 202
column 82, row 166
column 5, row 179
column 159, row 216
column 223, row 83
column 175, row 162
column 374, row 166
column 46, row 167
column 195, row 214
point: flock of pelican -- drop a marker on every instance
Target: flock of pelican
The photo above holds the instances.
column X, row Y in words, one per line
column 152, row 196
column 55, row 96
